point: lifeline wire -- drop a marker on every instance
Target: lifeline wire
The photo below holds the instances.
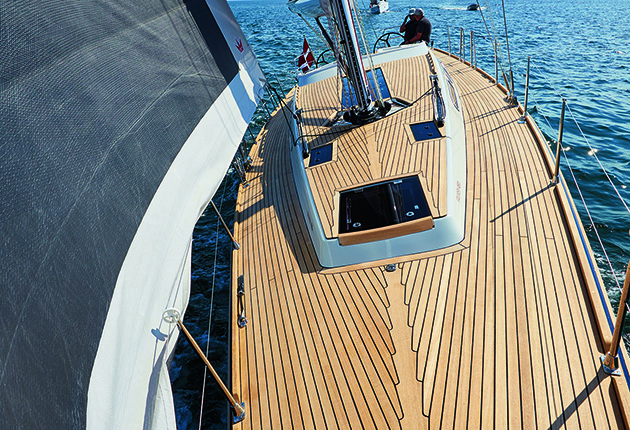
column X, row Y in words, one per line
column 584, row 203
column 214, row 269
column 592, row 222
column 593, row 151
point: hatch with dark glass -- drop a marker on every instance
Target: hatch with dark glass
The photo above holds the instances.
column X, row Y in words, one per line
column 383, row 210
column 425, row 131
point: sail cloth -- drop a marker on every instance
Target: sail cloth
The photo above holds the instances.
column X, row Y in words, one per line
column 310, row 8
column 118, row 121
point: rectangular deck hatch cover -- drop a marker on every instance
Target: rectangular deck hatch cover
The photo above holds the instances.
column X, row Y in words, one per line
column 425, row 131
column 380, row 205
column 320, row 155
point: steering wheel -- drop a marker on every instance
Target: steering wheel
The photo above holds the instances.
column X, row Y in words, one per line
column 385, row 38
column 321, row 60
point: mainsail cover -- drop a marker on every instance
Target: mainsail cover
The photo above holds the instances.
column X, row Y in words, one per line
column 118, row 121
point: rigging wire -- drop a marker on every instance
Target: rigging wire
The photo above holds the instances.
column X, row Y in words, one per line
column 507, row 43
column 379, row 95
column 370, row 21
column 593, row 151
column 592, row 222
column 317, row 33
column 214, row 270
column 493, row 40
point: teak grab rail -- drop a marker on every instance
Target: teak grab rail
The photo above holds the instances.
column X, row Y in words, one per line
column 173, row 315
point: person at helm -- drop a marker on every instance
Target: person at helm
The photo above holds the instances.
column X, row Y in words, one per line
column 417, row 28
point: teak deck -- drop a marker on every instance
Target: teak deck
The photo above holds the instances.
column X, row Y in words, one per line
column 382, row 149
column 502, row 330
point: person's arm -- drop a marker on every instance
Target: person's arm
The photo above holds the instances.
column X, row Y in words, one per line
column 402, row 27
column 415, row 38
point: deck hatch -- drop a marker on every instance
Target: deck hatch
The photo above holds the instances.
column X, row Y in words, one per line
column 381, row 205
column 425, row 131
column 348, row 98
column 320, row 155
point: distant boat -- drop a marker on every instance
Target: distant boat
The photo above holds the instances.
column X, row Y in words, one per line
column 378, row 6
column 473, row 6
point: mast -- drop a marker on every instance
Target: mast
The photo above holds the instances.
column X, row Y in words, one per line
column 366, row 108
column 343, row 13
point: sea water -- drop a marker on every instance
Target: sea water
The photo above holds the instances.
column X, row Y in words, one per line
column 578, row 49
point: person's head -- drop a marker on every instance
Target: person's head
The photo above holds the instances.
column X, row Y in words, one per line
column 419, row 13
column 412, row 12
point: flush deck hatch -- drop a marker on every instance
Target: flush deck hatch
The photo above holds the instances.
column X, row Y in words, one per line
column 383, row 210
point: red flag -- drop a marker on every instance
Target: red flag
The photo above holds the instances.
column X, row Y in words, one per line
column 306, row 60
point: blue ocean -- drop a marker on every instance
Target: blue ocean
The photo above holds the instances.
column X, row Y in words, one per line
column 578, row 50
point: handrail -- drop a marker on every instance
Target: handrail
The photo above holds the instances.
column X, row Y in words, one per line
column 439, row 113
column 240, row 293
column 173, row 315
column 609, row 361
column 227, row 229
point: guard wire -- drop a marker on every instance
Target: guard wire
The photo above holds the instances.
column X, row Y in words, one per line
column 577, row 186
column 214, row 270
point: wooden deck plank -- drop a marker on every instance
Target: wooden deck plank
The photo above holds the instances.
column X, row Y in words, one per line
column 468, row 330
column 425, row 329
column 444, row 417
column 421, row 318
column 500, row 330
column 478, row 376
column 415, row 291
column 445, row 361
column 487, row 419
column 428, row 378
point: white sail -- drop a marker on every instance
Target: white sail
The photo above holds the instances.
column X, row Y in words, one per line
column 119, row 121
